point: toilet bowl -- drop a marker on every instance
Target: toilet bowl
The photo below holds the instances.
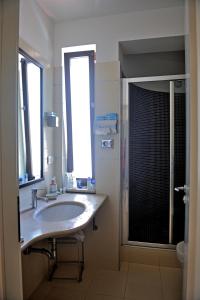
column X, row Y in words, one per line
column 180, row 251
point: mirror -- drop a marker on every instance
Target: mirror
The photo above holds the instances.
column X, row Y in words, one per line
column 30, row 120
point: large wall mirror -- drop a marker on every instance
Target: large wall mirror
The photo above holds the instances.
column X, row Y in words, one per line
column 30, row 120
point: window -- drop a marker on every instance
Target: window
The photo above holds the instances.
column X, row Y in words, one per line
column 79, row 104
column 30, row 129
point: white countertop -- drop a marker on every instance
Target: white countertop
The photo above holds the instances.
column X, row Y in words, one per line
column 33, row 230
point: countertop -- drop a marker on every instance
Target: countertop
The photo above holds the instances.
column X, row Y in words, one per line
column 33, row 230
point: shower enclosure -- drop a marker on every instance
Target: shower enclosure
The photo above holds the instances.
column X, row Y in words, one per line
column 153, row 155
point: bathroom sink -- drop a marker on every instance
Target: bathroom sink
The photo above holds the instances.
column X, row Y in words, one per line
column 60, row 212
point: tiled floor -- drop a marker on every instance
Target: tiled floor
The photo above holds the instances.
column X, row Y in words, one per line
column 133, row 282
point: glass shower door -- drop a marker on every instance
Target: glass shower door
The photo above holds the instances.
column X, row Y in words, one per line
column 156, row 161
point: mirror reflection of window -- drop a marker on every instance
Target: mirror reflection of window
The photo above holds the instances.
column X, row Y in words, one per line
column 33, row 73
column 21, row 127
column 30, row 130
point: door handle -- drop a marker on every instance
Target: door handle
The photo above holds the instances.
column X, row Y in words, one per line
column 181, row 188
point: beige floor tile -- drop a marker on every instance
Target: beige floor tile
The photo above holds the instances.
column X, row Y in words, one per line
column 81, row 287
column 141, row 271
column 66, row 270
column 134, row 282
column 41, row 292
column 171, row 283
column 144, row 292
column 64, row 294
column 143, row 283
column 101, row 297
column 124, row 266
column 110, row 283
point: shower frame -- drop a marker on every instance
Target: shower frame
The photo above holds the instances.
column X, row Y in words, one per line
column 125, row 157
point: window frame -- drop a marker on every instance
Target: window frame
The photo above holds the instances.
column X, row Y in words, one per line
column 29, row 59
column 91, row 57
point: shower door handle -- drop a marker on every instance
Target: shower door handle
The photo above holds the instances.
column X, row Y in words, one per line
column 182, row 188
column 179, row 188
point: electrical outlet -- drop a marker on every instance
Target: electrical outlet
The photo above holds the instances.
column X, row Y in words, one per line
column 106, row 143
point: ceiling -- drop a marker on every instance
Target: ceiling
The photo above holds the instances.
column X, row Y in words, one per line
column 152, row 45
column 61, row 10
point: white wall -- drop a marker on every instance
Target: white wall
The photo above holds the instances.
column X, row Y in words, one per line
column 36, row 29
column 8, row 150
column 153, row 64
column 107, row 31
column 2, row 272
column 197, row 263
column 192, row 237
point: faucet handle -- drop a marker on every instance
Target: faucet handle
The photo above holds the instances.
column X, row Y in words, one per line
column 34, row 198
column 34, row 190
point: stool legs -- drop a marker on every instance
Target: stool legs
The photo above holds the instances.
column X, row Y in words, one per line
column 80, row 259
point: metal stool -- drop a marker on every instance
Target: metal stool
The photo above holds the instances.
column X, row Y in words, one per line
column 77, row 240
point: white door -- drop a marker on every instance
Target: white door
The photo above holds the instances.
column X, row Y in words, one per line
column 191, row 287
column 2, row 287
column 10, row 261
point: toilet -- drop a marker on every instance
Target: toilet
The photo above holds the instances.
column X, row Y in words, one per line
column 180, row 252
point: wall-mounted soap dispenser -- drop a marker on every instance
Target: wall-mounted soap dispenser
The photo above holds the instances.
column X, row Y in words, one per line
column 52, row 120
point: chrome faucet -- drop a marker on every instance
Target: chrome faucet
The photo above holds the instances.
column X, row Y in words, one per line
column 35, row 198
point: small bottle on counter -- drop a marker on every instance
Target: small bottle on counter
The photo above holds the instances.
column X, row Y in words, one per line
column 53, row 186
column 65, row 182
column 91, row 184
column 69, row 181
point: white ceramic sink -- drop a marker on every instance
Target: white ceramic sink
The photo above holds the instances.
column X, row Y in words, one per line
column 61, row 211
